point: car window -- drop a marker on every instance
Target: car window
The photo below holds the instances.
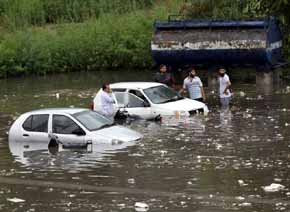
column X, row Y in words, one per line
column 92, row 120
column 118, row 89
column 36, row 123
column 63, row 125
column 27, row 125
column 138, row 94
column 129, row 100
column 162, row 94
column 121, row 98
column 135, row 101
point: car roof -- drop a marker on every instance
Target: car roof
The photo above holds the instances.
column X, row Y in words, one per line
column 58, row 110
column 135, row 85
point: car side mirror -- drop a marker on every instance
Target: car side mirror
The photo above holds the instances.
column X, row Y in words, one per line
column 78, row 132
column 146, row 104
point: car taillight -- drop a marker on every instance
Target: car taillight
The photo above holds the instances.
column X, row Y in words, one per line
column 92, row 106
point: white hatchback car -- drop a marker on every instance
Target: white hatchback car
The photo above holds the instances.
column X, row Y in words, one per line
column 72, row 127
column 149, row 100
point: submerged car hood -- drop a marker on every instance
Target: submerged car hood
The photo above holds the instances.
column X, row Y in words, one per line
column 118, row 133
column 182, row 105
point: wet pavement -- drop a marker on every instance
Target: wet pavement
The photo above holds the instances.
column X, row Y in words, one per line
column 225, row 161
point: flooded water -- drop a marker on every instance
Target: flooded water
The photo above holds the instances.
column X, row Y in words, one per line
column 225, row 161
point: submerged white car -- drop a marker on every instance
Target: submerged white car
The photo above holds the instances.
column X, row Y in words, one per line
column 149, row 100
column 37, row 154
column 72, row 127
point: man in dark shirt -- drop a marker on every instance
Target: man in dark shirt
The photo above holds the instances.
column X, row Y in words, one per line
column 163, row 76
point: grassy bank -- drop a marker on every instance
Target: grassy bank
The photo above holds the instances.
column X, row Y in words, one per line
column 111, row 41
column 86, row 46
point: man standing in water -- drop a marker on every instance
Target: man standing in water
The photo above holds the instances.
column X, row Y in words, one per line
column 193, row 85
column 224, row 88
column 107, row 101
column 162, row 76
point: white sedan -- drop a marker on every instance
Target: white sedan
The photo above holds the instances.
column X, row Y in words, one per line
column 149, row 100
column 71, row 127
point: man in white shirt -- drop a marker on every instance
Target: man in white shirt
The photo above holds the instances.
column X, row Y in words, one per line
column 193, row 85
column 224, row 88
column 107, row 101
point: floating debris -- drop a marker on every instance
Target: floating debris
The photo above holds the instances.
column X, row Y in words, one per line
column 121, row 205
column 242, row 183
column 219, row 146
column 15, row 200
column 242, row 93
column 274, row 187
column 163, row 152
column 182, row 203
column 136, row 155
column 240, row 198
column 278, row 180
column 81, row 96
column 245, row 204
column 247, row 115
column 141, row 206
column 131, row 181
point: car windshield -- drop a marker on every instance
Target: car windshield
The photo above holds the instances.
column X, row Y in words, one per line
column 162, row 94
column 92, row 120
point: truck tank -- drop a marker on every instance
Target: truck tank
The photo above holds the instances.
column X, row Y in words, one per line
column 217, row 42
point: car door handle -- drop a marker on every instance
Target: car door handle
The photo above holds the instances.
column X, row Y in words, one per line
column 25, row 135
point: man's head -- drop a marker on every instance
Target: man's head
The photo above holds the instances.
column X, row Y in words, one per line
column 162, row 68
column 106, row 87
column 222, row 72
column 192, row 73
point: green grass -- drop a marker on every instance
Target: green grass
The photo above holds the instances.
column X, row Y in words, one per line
column 112, row 41
column 23, row 13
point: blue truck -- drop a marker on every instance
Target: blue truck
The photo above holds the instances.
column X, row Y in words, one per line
column 179, row 43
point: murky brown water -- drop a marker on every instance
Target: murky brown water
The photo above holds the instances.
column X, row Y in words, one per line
column 216, row 163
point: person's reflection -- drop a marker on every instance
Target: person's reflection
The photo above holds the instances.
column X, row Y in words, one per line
column 226, row 119
column 197, row 123
column 264, row 83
